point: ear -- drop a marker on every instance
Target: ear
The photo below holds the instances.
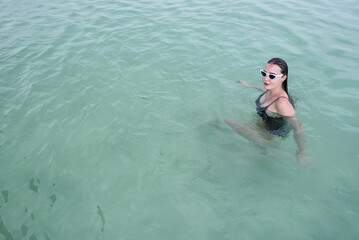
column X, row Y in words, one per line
column 284, row 78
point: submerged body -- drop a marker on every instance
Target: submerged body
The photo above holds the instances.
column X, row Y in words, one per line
column 276, row 109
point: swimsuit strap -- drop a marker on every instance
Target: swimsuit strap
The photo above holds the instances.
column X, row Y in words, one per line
column 275, row 101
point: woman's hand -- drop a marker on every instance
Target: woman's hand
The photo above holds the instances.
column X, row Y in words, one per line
column 244, row 83
column 302, row 158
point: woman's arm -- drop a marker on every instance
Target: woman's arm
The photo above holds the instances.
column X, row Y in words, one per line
column 299, row 137
column 251, row 86
column 285, row 108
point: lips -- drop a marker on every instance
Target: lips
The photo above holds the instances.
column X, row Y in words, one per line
column 266, row 84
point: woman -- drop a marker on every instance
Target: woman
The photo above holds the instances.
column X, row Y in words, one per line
column 275, row 107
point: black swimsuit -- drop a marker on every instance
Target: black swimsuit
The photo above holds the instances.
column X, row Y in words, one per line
column 274, row 125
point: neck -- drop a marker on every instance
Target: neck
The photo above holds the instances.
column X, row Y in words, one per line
column 276, row 91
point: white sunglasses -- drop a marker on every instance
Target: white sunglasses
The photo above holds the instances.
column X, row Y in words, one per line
column 270, row 75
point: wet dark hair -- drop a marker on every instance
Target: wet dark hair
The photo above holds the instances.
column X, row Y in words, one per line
column 284, row 70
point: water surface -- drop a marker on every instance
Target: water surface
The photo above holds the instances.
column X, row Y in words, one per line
column 105, row 119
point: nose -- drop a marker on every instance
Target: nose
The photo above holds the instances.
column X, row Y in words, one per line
column 266, row 78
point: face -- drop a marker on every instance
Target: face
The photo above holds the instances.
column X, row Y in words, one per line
column 273, row 83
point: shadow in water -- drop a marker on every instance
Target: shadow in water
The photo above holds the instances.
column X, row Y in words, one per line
column 30, row 226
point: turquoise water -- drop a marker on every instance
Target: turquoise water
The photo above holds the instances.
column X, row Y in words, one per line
column 105, row 119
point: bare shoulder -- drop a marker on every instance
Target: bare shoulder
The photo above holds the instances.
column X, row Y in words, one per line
column 284, row 107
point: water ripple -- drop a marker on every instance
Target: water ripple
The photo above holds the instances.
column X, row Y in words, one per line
column 107, row 95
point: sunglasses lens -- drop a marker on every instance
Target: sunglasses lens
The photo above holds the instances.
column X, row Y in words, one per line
column 263, row 73
column 271, row 76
